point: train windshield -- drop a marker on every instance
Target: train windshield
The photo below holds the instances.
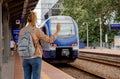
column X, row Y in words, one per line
column 67, row 29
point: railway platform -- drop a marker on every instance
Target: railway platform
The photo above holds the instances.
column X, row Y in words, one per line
column 13, row 70
column 102, row 51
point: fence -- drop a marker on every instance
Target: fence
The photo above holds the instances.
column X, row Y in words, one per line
column 104, row 45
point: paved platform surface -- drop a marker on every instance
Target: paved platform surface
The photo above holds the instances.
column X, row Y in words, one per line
column 8, row 69
column 13, row 70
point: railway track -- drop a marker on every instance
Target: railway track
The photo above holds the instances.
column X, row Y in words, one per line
column 103, row 65
column 76, row 73
column 101, row 58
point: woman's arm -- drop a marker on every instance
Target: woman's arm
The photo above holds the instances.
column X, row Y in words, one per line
column 46, row 38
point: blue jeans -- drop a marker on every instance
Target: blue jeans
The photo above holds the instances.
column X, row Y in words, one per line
column 32, row 68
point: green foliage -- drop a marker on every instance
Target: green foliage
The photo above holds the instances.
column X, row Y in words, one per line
column 88, row 11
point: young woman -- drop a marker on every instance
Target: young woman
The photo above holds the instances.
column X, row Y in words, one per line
column 32, row 65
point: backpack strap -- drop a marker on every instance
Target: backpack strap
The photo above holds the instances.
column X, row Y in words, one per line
column 30, row 30
column 27, row 30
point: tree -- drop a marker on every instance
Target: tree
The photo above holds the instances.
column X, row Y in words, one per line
column 90, row 10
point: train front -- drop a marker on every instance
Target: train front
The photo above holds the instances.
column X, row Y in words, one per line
column 65, row 48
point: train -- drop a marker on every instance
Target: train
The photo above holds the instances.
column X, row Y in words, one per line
column 65, row 48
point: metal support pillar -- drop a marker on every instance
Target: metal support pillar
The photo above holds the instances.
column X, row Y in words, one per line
column 6, row 34
column 0, row 39
column 50, row 13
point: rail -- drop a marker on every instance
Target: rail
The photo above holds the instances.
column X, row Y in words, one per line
column 99, row 63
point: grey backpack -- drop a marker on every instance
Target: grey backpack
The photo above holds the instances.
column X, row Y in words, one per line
column 26, row 47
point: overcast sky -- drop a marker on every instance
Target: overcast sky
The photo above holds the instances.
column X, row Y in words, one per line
column 38, row 12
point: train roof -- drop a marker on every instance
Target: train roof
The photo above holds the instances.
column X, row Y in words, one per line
column 60, row 16
column 55, row 17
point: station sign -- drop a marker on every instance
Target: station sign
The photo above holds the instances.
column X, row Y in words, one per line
column 15, row 37
column 15, row 33
column 115, row 26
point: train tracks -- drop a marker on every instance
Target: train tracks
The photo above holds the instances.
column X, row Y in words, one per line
column 104, row 59
column 76, row 73
column 103, row 65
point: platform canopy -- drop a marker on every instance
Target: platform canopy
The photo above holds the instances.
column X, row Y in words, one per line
column 19, row 9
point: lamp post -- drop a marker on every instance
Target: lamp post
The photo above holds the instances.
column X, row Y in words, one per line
column 100, row 32
column 87, row 35
column 85, row 23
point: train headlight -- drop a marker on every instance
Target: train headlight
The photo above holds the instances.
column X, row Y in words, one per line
column 54, row 45
column 74, row 44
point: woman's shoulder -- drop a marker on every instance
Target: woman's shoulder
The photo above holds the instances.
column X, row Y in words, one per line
column 36, row 29
column 22, row 28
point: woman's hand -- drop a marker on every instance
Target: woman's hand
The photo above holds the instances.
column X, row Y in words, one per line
column 58, row 27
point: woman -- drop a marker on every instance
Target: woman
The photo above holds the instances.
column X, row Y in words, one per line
column 32, row 65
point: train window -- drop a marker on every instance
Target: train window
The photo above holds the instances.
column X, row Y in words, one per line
column 67, row 29
column 44, row 29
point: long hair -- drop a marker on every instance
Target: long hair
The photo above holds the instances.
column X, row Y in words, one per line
column 32, row 18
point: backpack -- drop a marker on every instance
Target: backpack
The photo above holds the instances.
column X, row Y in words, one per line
column 26, row 47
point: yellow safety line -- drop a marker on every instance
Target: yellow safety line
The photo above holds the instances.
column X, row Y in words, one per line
column 44, row 75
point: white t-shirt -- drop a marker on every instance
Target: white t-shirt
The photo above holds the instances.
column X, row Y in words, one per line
column 12, row 44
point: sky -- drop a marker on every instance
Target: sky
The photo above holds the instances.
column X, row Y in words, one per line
column 37, row 10
column 43, row 7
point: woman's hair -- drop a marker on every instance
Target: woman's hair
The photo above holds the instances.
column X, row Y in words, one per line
column 32, row 19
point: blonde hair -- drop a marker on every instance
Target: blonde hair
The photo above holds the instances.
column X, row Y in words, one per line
column 32, row 18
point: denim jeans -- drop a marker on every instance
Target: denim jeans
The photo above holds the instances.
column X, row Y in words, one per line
column 32, row 68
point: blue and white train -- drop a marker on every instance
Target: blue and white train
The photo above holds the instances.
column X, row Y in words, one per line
column 65, row 48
